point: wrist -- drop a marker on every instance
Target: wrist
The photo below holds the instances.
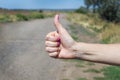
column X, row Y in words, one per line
column 78, row 49
column 82, row 50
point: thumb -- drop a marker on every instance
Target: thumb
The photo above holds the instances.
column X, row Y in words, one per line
column 57, row 23
column 65, row 38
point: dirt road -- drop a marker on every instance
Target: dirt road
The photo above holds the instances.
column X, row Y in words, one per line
column 22, row 54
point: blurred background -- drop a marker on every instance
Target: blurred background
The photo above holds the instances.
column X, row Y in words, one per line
column 96, row 21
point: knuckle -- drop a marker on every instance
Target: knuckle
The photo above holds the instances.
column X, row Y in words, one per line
column 50, row 55
column 46, row 49
column 54, row 54
column 46, row 43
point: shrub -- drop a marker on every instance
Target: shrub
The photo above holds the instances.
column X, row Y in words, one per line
column 37, row 15
column 110, row 10
column 4, row 18
column 22, row 17
column 13, row 18
column 82, row 10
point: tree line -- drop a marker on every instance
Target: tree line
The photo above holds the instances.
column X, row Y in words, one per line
column 108, row 9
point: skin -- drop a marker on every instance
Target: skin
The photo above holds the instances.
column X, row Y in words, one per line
column 61, row 45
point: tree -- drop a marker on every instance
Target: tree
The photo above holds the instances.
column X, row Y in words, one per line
column 88, row 3
column 108, row 9
column 93, row 3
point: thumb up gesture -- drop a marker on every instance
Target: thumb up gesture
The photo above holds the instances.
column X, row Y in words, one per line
column 59, row 44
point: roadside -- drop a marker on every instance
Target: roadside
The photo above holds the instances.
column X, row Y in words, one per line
column 96, row 30
column 22, row 15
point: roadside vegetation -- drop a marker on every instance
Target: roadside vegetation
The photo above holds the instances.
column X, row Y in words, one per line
column 103, row 20
column 108, row 32
column 16, row 15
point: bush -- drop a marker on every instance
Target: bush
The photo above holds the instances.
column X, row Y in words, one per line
column 110, row 11
column 22, row 17
column 37, row 15
column 41, row 11
column 4, row 18
column 82, row 10
column 118, row 16
column 13, row 18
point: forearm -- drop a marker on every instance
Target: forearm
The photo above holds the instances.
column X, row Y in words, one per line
column 103, row 53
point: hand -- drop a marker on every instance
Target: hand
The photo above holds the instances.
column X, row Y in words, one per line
column 59, row 44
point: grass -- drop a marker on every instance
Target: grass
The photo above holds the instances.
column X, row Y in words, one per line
column 84, row 64
column 4, row 18
column 74, row 33
column 80, row 65
column 81, row 79
column 110, row 73
column 21, row 16
column 99, row 78
column 66, row 79
column 36, row 15
column 111, row 34
column 77, row 31
column 93, row 71
column 90, row 63
column 76, row 60
column 108, row 32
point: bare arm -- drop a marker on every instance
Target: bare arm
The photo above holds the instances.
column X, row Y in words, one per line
column 103, row 53
column 61, row 45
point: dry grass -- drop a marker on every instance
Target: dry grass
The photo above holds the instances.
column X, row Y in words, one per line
column 112, row 33
column 13, row 16
column 108, row 32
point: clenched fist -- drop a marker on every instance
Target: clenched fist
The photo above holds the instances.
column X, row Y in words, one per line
column 59, row 44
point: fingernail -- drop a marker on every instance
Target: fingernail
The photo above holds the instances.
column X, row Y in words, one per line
column 58, row 17
column 58, row 39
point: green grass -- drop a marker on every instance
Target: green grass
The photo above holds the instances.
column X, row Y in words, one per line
column 74, row 33
column 77, row 30
column 80, row 65
column 21, row 17
column 81, row 79
column 92, row 70
column 4, row 18
column 99, row 78
column 66, row 79
column 110, row 73
column 76, row 60
column 9, row 17
column 90, row 63
column 36, row 15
